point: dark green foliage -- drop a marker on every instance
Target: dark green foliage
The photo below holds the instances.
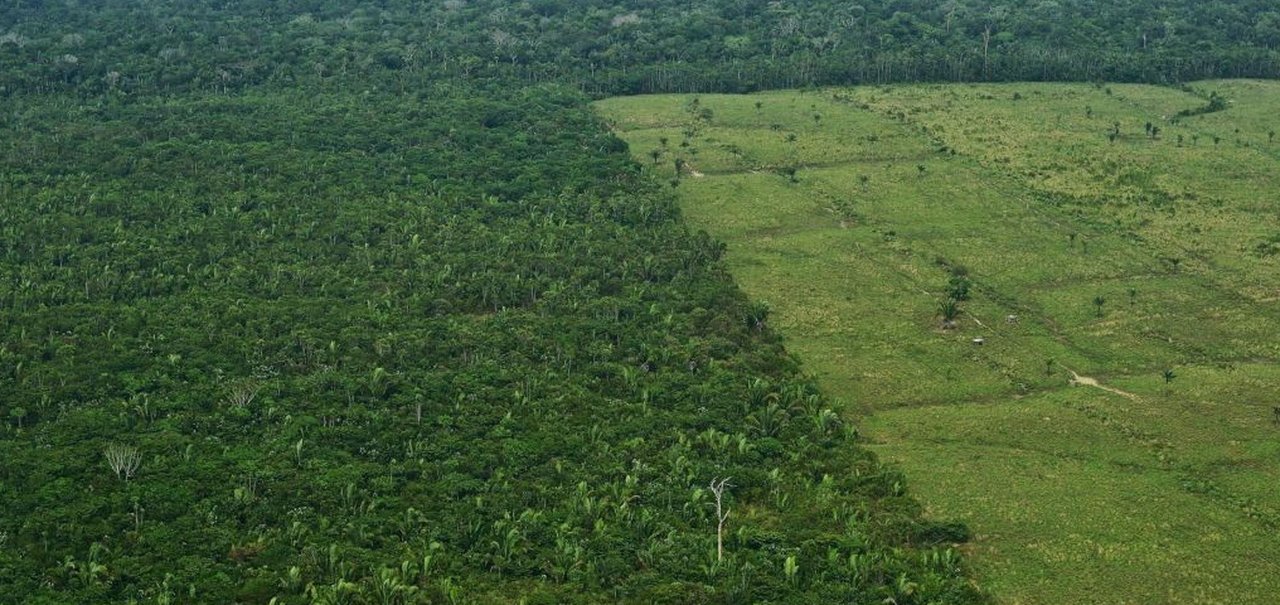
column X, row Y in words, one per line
column 949, row 310
column 941, row 533
column 607, row 48
column 1214, row 103
column 958, row 287
column 757, row 315
column 430, row 343
column 1268, row 247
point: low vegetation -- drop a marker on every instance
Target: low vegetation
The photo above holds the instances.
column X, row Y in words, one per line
column 1066, row 337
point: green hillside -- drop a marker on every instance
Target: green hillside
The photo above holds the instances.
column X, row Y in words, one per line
column 1088, row 265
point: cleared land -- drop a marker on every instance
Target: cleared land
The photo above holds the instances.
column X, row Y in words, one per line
column 1107, row 234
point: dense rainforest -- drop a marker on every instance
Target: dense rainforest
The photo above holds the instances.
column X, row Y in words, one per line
column 446, row 346
column 439, row 342
column 610, row 47
column 318, row 302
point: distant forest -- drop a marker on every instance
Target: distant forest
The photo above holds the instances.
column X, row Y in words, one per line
column 612, row 48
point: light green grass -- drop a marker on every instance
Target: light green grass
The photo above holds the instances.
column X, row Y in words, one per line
column 1161, row 493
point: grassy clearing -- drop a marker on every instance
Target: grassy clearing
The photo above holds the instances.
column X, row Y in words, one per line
column 1116, row 256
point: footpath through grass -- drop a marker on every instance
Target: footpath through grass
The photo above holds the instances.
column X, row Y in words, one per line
column 1119, row 236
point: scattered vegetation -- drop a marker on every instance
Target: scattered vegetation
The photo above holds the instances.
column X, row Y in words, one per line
column 1026, row 240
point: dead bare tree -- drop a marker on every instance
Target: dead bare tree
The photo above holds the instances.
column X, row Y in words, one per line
column 123, row 460
column 241, row 395
column 717, row 489
column 506, row 43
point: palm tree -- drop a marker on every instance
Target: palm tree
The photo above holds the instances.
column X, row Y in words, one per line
column 757, row 315
column 1098, row 301
column 949, row 309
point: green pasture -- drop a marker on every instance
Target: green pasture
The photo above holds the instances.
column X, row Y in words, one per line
column 1101, row 231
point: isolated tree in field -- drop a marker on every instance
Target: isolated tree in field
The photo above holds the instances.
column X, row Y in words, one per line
column 123, row 460
column 920, row 169
column 817, row 118
column 1179, row 140
column 863, row 181
column 949, row 309
column 759, row 104
column 663, row 141
column 791, row 137
column 722, row 514
column 1148, row 127
column 1133, row 296
column 1098, row 301
column 1048, row 366
column 1216, row 139
column 1155, row 132
column 1271, row 136
column 1168, row 375
column 958, row 287
column 757, row 315
column 656, row 154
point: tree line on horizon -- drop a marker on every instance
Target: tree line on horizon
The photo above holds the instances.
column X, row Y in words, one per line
column 608, row 48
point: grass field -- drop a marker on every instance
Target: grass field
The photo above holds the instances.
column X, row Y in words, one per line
column 1103, row 236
